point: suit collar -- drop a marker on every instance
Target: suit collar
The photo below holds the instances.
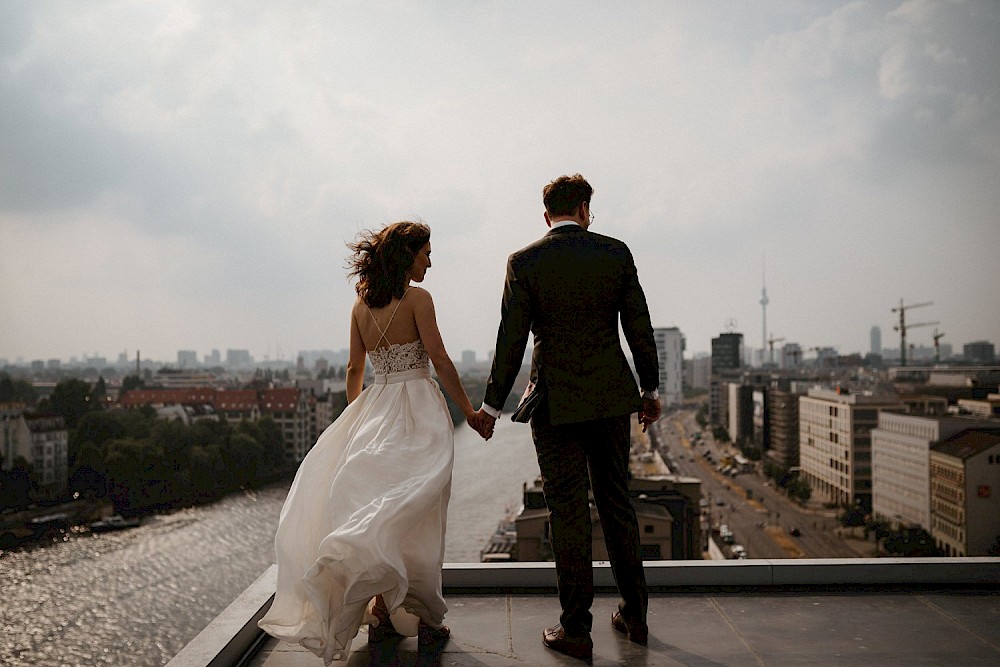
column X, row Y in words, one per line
column 565, row 229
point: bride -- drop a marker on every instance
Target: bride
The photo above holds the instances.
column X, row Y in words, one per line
column 360, row 538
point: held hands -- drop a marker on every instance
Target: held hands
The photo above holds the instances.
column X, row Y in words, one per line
column 650, row 412
column 482, row 422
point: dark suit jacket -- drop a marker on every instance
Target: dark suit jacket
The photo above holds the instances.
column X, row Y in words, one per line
column 569, row 289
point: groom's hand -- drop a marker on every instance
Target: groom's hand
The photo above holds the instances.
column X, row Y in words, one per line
column 487, row 422
column 650, row 412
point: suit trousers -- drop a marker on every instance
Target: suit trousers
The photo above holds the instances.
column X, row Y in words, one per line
column 570, row 456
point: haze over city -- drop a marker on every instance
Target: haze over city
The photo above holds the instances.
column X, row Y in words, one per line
column 185, row 176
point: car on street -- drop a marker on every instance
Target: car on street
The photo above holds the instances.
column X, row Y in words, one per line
column 794, row 532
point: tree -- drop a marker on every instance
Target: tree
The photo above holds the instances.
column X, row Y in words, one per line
column 853, row 516
column 799, row 489
column 995, row 549
column 100, row 393
column 71, row 400
column 131, row 382
column 16, row 391
column 271, row 442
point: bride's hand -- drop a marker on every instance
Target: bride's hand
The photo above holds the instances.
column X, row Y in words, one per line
column 482, row 424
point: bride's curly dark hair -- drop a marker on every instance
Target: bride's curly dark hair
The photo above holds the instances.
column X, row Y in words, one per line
column 380, row 260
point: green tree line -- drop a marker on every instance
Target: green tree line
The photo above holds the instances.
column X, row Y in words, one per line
column 143, row 463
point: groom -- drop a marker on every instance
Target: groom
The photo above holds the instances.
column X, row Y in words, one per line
column 569, row 289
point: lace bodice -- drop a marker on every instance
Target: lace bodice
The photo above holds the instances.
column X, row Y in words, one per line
column 399, row 357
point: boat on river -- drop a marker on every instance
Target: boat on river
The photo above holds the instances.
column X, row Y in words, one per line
column 115, row 522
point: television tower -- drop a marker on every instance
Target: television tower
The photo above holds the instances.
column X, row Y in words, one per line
column 763, row 306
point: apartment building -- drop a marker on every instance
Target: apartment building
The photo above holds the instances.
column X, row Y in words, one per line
column 42, row 441
column 901, row 465
column 289, row 407
column 965, row 492
column 835, row 443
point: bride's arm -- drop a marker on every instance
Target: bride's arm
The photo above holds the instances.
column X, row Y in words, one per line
column 356, row 362
column 423, row 314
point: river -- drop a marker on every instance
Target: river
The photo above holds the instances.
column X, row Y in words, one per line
column 136, row 597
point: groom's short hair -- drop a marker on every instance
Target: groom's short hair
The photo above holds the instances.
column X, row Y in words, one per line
column 565, row 194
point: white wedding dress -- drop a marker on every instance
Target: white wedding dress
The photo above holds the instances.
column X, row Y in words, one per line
column 366, row 513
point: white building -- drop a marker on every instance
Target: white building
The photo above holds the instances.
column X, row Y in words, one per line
column 670, row 350
column 835, row 443
column 699, row 371
column 791, row 355
column 901, row 465
column 44, row 443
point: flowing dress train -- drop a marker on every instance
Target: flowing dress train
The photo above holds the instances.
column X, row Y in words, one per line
column 366, row 513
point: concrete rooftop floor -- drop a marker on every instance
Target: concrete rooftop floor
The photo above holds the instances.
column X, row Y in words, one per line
column 701, row 613
column 777, row 628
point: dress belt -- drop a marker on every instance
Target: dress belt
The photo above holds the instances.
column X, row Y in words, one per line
column 403, row 376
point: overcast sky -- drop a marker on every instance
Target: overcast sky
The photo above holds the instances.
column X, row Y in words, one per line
column 182, row 175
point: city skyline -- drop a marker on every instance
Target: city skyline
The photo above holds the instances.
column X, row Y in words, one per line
column 186, row 177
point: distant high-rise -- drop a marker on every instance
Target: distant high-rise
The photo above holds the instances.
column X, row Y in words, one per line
column 726, row 351
column 763, row 309
column 876, row 340
column 187, row 358
column 238, row 358
column 670, row 351
column 468, row 357
column 980, row 352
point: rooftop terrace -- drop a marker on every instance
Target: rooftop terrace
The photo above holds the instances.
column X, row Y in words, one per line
column 940, row 611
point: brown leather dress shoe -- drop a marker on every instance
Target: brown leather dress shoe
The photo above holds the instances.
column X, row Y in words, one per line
column 580, row 647
column 636, row 632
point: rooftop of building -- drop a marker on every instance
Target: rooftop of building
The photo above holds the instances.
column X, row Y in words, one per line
column 968, row 443
column 751, row 612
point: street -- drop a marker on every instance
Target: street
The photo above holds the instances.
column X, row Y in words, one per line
column 760, row 523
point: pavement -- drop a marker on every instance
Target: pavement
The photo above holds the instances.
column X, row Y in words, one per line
column 779, row 628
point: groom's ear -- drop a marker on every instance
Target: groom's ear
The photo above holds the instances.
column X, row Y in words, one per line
column 548, row 222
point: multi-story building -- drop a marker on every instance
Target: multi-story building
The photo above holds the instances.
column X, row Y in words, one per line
column 740, row 411
column 791, row 355
column 965, row 492
column 234, row 405
column 979, row 352
column 727, row 352
column 187, row 359
column 783, row 425
column 988, row 407
column 289, row 407
column 901, row 465
column 698, row 372
column 43, row 442
column 835, row 443
column 726, row 364
column 670, row 352
column 238, row 358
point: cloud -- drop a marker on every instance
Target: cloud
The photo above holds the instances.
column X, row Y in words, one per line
column 242, row 145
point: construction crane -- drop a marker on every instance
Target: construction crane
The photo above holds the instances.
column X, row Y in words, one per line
column 902, row 327
column 937, row 346
column 770, row 342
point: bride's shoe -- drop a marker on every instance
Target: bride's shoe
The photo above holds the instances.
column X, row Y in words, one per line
column 384, row 629
column 427, row 635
